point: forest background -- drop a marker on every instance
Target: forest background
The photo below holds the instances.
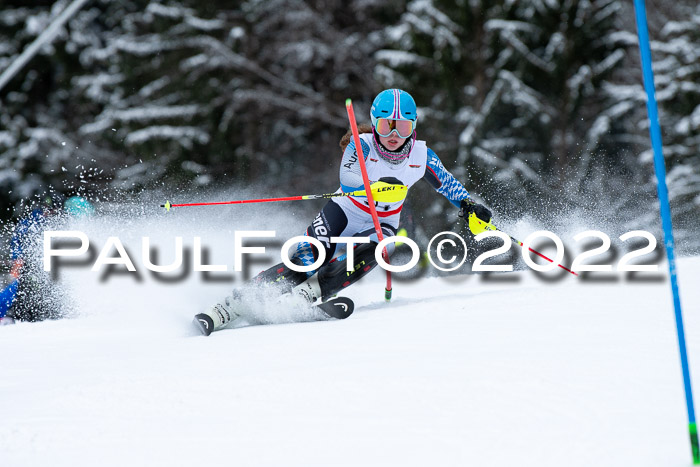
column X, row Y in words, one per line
column 537, row 106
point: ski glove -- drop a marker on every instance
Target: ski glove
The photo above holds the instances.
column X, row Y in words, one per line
column 389, row 190
column 391, row 180
column 467, row 206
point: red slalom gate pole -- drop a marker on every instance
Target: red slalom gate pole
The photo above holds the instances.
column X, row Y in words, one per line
column 370, row 198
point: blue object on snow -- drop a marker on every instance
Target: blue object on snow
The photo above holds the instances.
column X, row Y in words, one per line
column 7, row 297
column 78, row 206
column 23, row 232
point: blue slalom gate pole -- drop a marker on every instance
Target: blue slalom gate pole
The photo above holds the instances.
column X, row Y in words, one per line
column 660, row 169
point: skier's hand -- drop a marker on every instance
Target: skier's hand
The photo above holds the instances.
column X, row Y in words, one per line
column 468, row 206
column 391, row 180
column 388, row 190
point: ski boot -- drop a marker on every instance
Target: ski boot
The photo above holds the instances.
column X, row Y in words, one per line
column 217, row 316
column 330, row 307
column 309, row 290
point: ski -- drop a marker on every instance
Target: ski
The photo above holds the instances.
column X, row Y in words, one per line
column 204, row 323
column 335, row 308
column 338, row 308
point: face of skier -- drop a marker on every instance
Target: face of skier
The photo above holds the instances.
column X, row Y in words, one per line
column 391, row 142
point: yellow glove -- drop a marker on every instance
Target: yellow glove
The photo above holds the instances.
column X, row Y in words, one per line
column 477, row 216
column 477, row 226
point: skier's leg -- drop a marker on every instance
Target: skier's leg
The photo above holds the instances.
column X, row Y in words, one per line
column 279, row 277
column 334, row 276
column 330, row 222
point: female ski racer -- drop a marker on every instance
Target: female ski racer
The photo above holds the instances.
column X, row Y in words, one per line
column 392, row 155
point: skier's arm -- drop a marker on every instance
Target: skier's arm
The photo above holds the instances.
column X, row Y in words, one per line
column 443, row 181
column 447, row 185
column 350, row 172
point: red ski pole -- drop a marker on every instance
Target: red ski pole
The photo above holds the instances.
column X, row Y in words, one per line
column 477, row 225
column 384, row 192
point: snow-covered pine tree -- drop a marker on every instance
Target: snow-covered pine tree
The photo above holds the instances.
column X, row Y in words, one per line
column 153, row 87
column 438, row 51
column 39, row 109
column 180, row 90
column 676, row 58
column 554, row 120
column 206, row 91
column 515, row 92
column 312, row 56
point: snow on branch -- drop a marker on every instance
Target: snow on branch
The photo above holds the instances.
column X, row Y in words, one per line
column 205, row 25
column 172, row 12
column 187, row 15
column 519, row 166
column 141, row 46
column 517, row 45
column 683, row 180
column 509, row 25
column 153, row 87
column 580, row 78
column 466, row 138
column 306, row 51
column 555, row 46
column 202, row 63
column 606, row 12
column 398, row 58
column 609, row 63
column 7, row 139
column 426, row 8
column 95, row 85
column 490, row 159
column 184, row 135
column 419, row 23
column 690, row 124
column 523, row 95
column 397, row 33
column 678, row 46
column 633, row 92
column 676, row 28
column 272, row 99
column 243, row 62
column 431, row 21
column 623, row 38
column 139, row 114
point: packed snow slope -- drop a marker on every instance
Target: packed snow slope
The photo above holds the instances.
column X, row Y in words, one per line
column 466, row 370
